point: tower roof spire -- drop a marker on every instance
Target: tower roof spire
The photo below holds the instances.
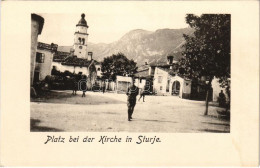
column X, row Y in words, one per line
column 82, row 21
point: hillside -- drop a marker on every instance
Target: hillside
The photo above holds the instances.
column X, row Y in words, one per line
column 141, row 45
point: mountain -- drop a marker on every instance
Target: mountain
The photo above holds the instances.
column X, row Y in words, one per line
column 141, row 45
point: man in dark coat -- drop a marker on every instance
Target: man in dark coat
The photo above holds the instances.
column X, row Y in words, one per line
column 131, row 93
column 83, row 85
column 104, row 86
column 222, row 99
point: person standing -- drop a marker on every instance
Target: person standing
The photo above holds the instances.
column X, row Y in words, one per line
column 83, row 85
column 222, row 99
column 131, row 93
column 104, row 86
column 75, row 84
column 142, row 94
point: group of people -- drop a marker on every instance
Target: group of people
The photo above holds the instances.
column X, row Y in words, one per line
column 80, row 83
column 132, row 92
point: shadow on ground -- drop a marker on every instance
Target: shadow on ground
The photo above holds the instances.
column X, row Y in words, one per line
column 219, row 117
column 36, row 128
column 66, row 97
column 214, row 131
column 221, row 124
column 154, row 120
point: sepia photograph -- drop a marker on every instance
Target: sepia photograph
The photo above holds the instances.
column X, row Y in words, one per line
column 91, row 73
column 129, row 83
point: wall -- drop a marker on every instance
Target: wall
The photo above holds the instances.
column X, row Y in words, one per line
column 44, row 68
column 80, row 53
column 81, row 29
column 186, row 92
column 34, row 38
column 160, row 87
column 122, row 83
column 98, row 71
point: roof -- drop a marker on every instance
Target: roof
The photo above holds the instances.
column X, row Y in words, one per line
column 163, row 61
column 82, row 21
column 44, row 46
column 60, row 56
column 39, row 19
column 75, row 61
column 143, row 68
column 96, row 62
column 142, row 74
column 171, row 72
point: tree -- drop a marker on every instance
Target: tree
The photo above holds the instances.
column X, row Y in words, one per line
column 117, row 64
column 207, row 51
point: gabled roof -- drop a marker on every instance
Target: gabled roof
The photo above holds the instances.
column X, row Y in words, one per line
column 143, row 68
column 75, row 61
column 60, row 56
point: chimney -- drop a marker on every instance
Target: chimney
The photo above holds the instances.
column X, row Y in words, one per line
column 146, row 62
column 169, row 59
column 90, row 56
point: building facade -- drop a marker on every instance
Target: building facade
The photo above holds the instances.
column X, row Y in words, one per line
column 44, row 57
column 37, row 23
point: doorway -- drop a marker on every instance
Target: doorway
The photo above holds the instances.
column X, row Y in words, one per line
column 176, row 88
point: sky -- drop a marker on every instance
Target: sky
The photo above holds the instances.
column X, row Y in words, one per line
column 109, row 24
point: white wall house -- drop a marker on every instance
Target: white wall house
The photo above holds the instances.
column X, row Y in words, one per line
column 165, row 84
column 161, row 82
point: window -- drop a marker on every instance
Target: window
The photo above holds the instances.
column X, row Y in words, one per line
column 83, row 41
column 160, row 79
column 98, row 69
column 80, row 47
column 39, row 57
column 160, row 87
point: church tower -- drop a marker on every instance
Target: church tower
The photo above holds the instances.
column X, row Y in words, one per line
column 81, row 38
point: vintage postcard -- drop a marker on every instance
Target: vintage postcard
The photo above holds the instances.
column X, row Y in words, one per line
column 136, row 83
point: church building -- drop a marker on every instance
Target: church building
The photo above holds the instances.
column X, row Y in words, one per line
column 79, row 60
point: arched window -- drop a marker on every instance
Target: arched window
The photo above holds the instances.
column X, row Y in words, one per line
column 79, row 40
column 83, row 41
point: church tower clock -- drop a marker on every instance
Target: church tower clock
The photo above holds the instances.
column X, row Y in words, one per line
column 81, row 38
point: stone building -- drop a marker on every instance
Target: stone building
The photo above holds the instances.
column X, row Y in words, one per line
column 37, row 23
column 44, row 57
